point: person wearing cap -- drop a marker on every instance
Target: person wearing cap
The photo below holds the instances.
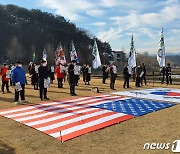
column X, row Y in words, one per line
column 71, row 78
column 19, row 78
column 43, row 74
column 5, row 79
column 113, row 76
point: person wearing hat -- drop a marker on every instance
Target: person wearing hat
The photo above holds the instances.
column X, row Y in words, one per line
column 5, row 79
column 71, row 78
column 43, row 74
column 19, row 80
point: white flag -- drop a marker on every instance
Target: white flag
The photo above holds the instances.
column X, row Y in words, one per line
column 132, row 56
column 44, row 55
column 97, row 61
column 161, row 51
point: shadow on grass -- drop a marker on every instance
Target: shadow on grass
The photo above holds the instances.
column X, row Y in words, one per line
column 5, row 99
column 5, row 149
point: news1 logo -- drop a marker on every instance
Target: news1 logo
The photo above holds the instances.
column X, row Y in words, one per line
column 175, row 147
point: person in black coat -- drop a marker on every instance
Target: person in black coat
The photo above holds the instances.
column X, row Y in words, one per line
column 43, row 74
column 168, row 74
column 105, row 73
column 138, row 76
column 34, row 76
column 71, row 78
column 126, row 76
column 88, row 74
column 83, row 69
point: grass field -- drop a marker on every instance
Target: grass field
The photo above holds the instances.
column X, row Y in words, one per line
column 125, row 138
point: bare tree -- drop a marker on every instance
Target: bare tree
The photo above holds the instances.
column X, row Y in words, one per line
column 15, row 49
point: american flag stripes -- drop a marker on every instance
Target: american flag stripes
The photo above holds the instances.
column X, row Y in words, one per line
column 65, row 120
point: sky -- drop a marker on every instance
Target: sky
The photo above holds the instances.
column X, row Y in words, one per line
column 115, row 21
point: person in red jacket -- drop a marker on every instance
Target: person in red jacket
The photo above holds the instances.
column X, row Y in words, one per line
column 60, row 70
column 5, row 79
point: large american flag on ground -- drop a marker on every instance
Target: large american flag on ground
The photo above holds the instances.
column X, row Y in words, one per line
column 65, row 120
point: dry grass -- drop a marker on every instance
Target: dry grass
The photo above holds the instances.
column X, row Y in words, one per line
column 124, row 138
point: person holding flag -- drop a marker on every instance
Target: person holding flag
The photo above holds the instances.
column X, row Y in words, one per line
column 132, row 59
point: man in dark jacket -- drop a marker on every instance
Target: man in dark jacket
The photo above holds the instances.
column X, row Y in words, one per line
column 126, row 76
column 72, row 78
column 19, row 80
column 43, row 74
column 105, row 73
column 168, row 74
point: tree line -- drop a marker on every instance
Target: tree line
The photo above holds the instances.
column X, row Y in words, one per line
column 24, row 31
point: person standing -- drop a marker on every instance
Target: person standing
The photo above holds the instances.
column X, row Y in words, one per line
column 5, row 78
column 71, row 78
column 60, row 71
column 83, row 69
column 105, row 71
column 168, row 74
column 77, row 71
column 19, row 80
column 126, row 76
column 43, row 74
column 88, row 74
column 113, row 76
column 162, row 73
column 34, row 76
column 51, row 73
column 143, row 69
column 138, row 76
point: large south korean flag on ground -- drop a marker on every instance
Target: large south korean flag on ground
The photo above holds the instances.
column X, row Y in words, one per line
column 161, row 94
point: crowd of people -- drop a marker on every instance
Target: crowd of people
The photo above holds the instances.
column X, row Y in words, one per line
column 42, row 76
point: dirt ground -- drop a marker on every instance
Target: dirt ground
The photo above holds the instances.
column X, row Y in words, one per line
column 127, row 137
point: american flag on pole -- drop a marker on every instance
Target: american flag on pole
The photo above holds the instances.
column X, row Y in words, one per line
column 65, row 120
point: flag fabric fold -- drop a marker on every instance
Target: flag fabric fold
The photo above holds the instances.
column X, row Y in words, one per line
column 161, row 51
column 73, row 53
column 44, row 55
column 34, row 57
column 97, row 61
column 132, row 56
column 60, row 56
